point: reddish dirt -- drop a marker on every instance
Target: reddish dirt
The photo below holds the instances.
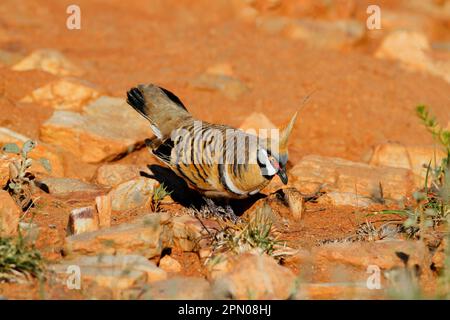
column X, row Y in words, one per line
column 358, row 101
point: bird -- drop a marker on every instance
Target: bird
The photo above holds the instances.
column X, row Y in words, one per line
column 219, row 161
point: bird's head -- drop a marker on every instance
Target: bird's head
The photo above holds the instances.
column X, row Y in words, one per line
column 273, row 154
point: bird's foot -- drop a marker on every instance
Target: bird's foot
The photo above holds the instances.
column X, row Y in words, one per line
column 218, row 211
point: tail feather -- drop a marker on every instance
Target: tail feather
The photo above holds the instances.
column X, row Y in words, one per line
column 161, row 107
column 137, row 101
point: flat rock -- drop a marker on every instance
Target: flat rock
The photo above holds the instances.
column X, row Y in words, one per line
column 9, row 215
column 146, row 236
column 413, row 157
column 342, row 179
column 253, row 276
column 411, row 49
column 49, row 60
column 40, row 151
column 71, row 188
column 65, row 94
column 229, row 86
column 111, row 175
column 132, row 194
column 113, row 272
column 178, row 288
column 353, row 259
column 106, row 129
column 329, row 34
column 169, row 264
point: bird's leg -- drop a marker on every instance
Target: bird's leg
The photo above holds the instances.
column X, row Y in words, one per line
column 219, row 211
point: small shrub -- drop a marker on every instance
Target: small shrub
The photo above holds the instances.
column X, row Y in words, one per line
column 21, row 181
column 18, row 260
column 159, row 193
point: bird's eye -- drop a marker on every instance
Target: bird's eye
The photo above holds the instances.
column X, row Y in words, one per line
column 274, row 162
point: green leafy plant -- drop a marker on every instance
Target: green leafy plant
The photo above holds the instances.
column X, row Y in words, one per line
column 21, row 181
column 432, row 201
column 159, row 193
column 18, row 260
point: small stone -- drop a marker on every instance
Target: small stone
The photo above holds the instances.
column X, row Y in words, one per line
column 48, row 60
column 221, row 69
column 147, row 236
column 71, row 188
column 229, row 86
column 254, row 276
column 82, row 220
column 328, row 34
column 41, row 151
column 103, row 206
column 65, row 94
column 9, row 215
column 111, row 175
column 169, row 264
column 295, row 201
column 107, row 129
column 132, row 194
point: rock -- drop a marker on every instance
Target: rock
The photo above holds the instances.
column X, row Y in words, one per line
column 440, row 256
column 132, row 194
column 71, row 188
column 188, row 232
column 169, row 264
column 107, row 129
column 253, row 276
column 9, row 215
column 229, row 86
column 342, row 179
column 411, row 50
column 413, row 157
column 386, row 255
column 178, row 288
column 48, row 60
column 147, row 236
column 221, row 69
column 295, row 201
column 65, row 94
column 113, row 272
column 103, row 206
column 40, row 151
column 111, row 175
column 82, row 220
column 257, row 123
column 329, row 34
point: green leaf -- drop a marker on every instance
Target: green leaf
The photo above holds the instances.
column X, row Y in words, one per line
column 46, row 164
column 11, row 148
column 28, row 146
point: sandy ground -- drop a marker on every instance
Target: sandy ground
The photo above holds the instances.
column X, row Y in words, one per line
column 358, row 101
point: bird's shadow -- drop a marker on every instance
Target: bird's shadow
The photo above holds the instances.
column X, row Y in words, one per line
column 189, row 198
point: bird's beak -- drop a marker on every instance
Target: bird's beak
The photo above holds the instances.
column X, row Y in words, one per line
column 283, row 176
